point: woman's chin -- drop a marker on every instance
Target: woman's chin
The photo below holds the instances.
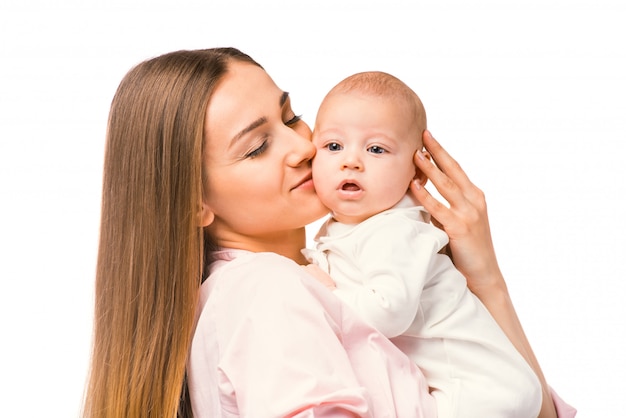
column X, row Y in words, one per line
column 320, row 213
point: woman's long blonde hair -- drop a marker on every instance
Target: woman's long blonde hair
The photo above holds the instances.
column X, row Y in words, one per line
column 152, row 253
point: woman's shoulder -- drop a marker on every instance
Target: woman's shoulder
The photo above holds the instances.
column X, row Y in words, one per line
column 264, row 286
column 251, row 275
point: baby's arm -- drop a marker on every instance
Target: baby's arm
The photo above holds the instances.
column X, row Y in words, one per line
column 321, row 276
column 392, row 263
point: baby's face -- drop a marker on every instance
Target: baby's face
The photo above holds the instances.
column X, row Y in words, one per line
column 364, row 154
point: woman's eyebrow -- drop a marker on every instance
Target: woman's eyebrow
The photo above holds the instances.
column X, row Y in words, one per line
column 260, row 121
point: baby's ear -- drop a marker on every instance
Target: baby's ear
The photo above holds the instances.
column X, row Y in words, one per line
column 419, row 175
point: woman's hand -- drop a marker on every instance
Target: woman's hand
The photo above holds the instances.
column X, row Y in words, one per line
column 466, row 223
column 464, row 219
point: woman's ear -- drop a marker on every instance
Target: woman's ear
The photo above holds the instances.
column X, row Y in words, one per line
column 206, row 215
column 419, row 175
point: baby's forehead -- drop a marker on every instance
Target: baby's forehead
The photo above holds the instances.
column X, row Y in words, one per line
column 400, row 104
column 337, row 101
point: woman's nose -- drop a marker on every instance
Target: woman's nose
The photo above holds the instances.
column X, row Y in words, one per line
column 303, row 150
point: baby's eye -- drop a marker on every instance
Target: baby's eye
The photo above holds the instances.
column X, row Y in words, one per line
column 333, row 146
column 375, row 149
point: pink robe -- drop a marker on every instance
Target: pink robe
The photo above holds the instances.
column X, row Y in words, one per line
column 272, row 342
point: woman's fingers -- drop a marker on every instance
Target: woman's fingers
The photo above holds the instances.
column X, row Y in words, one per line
column 446, row 187
column 452, row 169
column 440, row 212
column 443, row 160
column 448, row 177
column 464, row 218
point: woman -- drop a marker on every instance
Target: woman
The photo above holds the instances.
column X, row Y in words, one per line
column 208, row 167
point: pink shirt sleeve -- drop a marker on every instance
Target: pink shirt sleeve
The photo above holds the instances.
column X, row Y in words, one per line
column 563, row 410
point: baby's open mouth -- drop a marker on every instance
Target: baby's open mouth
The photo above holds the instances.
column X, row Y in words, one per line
column 350, row 187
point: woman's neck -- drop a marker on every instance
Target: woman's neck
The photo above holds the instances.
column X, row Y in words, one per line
column 286, row 243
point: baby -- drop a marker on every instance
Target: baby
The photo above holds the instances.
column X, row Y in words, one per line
column 382, row 253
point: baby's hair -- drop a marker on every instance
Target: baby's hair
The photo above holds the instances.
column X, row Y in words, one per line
column 381, row 84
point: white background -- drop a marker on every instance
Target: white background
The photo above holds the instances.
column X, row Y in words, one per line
column 530, row 97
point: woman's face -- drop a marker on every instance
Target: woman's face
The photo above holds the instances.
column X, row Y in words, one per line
column 257, row 159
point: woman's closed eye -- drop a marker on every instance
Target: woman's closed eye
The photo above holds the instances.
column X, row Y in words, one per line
column 295, row 119
column 265, row 140
column 258, row 150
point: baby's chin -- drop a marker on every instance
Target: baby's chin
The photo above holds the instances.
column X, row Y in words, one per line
column 351, row 219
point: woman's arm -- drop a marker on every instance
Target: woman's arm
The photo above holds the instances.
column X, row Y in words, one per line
column 466, row 222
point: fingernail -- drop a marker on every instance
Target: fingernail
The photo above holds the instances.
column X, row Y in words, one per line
column 417, row 184
column 420, row 155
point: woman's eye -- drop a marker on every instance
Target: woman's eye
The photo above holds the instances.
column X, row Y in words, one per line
column 333, row 146
column 293, row 120
column 375, row 149
column 258, row 151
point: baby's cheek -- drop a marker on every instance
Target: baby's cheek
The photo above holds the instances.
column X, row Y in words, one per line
column 319, row 166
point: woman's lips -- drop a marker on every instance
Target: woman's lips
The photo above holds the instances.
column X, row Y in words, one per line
column 305, row 183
